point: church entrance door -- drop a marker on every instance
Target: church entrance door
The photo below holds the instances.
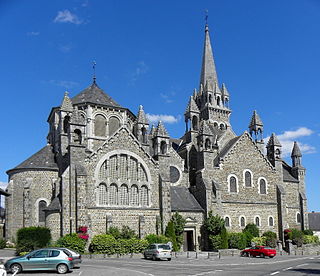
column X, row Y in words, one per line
column 188, row 240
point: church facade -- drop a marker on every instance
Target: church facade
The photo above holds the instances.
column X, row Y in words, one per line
column 104, row 166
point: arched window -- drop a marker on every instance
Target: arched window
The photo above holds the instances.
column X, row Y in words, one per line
column 210, row 98
column 113, row 194
column 114, row 124
column 242, row 221
column 66, row 122
column 163, row 147
column 103, row 200
column 262, row 186
column 208, row 144
column 298, row 218
column 271, row 223
column 257, row 221
column 144, row 135
column 233, row 185
column 77, row 136
column 227, row 222
column 99, row 125
column 41, row 214
column 194, row 123
column 144, row 196
column 226, row 102
column 215, row 124
column 134, row 196
column 218, row 101
column 222, row 126
column 124, row 198
column 248, row 179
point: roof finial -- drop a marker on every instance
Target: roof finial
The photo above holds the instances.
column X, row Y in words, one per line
column 206, row 17
column 94, row 71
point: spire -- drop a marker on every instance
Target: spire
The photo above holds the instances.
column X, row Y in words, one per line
column 141, row 118
column 161, row 130
column 208, row 69
column 296, row 150
column 255, row 122
column 192, row 106
column 94, row 71
column 273, row 141
column 224, row 90
column 66, row 104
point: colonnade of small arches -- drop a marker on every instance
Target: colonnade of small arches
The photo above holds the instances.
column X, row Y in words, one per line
column 242, row 221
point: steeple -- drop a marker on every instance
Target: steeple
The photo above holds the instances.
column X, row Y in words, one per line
column 256, row 126
column 296, row 155
column 274, row 151
column 208, row 69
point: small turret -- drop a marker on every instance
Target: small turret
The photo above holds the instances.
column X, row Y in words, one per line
column 274, row 150
column 296, row 155
column 256, row 130
column 141, row 126
column 160, row 141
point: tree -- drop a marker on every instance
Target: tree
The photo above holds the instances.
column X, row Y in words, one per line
column 174, row 230
column 214, row 224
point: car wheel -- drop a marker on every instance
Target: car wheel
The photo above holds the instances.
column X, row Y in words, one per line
column 271, row 257
column 154, row 258
column 16, row 268
column 62, row 268
column 169, row 259
column 261, row 255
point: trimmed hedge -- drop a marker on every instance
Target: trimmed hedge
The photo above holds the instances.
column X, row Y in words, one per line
column 237, row 240
column 153, row 238
column 271, row 239
column 72, row 241
column 310, row 239
column 30, row 238
column 107, row 244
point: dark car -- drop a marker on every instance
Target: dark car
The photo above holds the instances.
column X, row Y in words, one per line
column 261, row 251
column 42, row 259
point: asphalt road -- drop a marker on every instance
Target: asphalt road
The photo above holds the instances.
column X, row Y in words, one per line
column 125, row 266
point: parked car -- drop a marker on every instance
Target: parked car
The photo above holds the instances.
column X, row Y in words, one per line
column 42, row 259
column 158, row 251
column 75, row 256
column 260, row 251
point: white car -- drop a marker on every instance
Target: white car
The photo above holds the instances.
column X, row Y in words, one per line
column 158, row 251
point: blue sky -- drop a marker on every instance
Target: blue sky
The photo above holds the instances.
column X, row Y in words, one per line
column 149, row 52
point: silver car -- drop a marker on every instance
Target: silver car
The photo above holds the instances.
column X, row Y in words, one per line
column 75, row 256
column 158, row 251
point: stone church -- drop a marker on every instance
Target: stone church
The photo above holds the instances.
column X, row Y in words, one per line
column 105, row 166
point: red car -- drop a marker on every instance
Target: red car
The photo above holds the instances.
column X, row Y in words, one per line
column 260, row 251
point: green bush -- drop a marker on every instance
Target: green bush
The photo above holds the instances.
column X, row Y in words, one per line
column 107, row 244
column 237, row 240
column 310, row 239
column 261, row 241
column 3, row 243
column 224, row 238
column 214, row 224
column 30, row 238
column 114, row 231
column 174, row 231
column 170, row 233
column 296, row 236
column 153, row 238
column 125, row 233
column 252, row 229
column 271, row 238
column 72, row 241
column 307, row 232
column 216, row 242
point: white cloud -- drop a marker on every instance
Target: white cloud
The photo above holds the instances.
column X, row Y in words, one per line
column 287, row 139
column 3, row 185
column 65, row 48
column 153, row 118
column 141, row 69
column 33, row 33
column 66, row 16
column 63, row 83
column 167, row 97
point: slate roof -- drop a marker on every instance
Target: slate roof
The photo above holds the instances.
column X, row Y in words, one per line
column 287, row 175
column 296, row 150
column 95, row 95
column 273, row 141
column 255, row 120
column 314, row 221
column 43, row 159
column 226, row 148
column 183, row 200
column 54, row 205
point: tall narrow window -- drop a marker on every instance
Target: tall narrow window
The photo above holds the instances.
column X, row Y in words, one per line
column 114, row 124
column 227, row 222
column 144, row 196
column 124, row 198
column 271, row 221
column 41, row 215
column 99, row 126
column 163, row 147
column 263, row 187
column 248, row 179
column 242, row 222
column 194, row 123
column 257, row 221
column 66, row 123
column 208, row 144
column 113, row 194
column 134, row 199
column 103, row 200
column 233, row 184
column 298, row 218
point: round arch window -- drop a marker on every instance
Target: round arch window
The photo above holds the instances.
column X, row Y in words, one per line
column 174, row 174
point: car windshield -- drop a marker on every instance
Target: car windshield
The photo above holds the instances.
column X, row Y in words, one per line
column 164, row 246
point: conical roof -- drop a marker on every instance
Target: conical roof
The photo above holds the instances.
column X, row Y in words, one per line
column 142, row 118
column 224, row 90
column 94, row 95
column 161, row 130
column 192, row 106
column 296, row 150
column 273, row 141
column 255, row 120
column 66, row 103
column 208, row 69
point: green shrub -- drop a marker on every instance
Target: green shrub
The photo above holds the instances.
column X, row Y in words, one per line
column 296, row 236
column 310, row 239
column 216, row 242
column 170, row 233
column 127, row 233
column 114, row 231
column 307, row 232
column 224, row 238
column 214, row 224
column 174, row 231
column 153, row 238
column 261, row 241
column 237, row 240
column 72, row 241
column 133, row 245
column 252, row 229
column 271, row 238
column 3, row 243
column 30, row 238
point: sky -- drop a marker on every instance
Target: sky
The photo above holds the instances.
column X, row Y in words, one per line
column 149, row 52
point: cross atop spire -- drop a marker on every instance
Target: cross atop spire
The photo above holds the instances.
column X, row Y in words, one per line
column 94, row 71
column 208, row 69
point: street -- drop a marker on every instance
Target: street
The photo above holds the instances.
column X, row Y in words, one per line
column 125, row 266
